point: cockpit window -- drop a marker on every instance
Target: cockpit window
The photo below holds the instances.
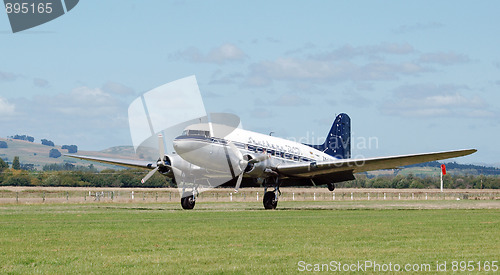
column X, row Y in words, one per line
column 196, row 133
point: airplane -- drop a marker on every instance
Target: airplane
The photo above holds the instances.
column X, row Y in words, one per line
column 229, row 156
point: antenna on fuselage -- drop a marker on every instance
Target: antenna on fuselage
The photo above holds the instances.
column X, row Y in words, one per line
column 271, row 133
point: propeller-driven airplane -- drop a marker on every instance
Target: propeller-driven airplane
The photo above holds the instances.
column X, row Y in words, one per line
column 207, row 152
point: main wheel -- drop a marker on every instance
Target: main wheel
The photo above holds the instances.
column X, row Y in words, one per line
column 270, row 201
column 331, row 186
column 188, row 201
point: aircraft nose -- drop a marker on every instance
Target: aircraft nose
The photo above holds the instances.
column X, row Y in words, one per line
column 183, row 146
column 179, row 146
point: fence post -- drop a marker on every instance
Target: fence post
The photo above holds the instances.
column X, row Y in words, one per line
column 17, row 197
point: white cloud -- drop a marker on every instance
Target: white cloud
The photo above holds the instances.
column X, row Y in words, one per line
column 444, row 58
column 226, row 52
column 380, row 62
column 428, row 100
column 41, row 83
column 404, row 29
column 356, row 99
column 371, row 51
column 6, row 108
column 219, row 78
column 8, row 76
column 83, row 106
column 290, row 100
column 117, row 88
column 262, row 113
column 85, row 116
column 296, row 69
column 220, row 55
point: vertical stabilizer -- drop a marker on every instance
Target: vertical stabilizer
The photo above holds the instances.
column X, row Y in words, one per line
column 338, row 140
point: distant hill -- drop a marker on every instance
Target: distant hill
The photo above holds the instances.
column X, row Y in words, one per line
column 470, row 168
column 38, row 154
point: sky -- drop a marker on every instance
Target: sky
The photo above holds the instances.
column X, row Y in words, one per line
column 414, row 76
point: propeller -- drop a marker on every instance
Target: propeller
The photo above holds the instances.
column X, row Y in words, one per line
column 161, row 161
column 243, row 163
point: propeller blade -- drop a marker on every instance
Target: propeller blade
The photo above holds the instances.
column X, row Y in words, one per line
column 238, row 183
column 242, row 163
column 259, row 158
column 150, row 174
column 161, row 147
column 235, row 150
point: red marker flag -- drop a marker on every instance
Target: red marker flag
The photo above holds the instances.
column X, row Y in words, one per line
column 443, row 169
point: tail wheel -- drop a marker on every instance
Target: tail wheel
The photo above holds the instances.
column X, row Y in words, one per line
column 270, row 201
column 188, row 201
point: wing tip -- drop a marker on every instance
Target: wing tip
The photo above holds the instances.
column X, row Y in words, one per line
column 469, row 151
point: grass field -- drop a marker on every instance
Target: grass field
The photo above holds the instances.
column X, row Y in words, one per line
column 221, row 237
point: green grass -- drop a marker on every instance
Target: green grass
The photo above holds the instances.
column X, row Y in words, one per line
column 161, row 238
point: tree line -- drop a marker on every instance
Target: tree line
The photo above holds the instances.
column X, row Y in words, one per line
column 468, row 181
column 472, row 168
column 71, row 148
column 24, row 137
column 81, row 178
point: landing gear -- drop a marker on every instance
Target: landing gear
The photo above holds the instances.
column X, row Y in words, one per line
column 270, row 200
column 331, row 186
column 188, row 200
column 271, row 197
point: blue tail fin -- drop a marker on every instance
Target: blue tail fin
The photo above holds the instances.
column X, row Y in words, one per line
column 338, row 141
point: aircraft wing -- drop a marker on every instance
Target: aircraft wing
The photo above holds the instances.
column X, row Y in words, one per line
column 122, row 162
column 325, row 168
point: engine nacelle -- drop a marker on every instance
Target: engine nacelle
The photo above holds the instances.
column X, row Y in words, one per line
column 164, row 170
column 255, row 169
